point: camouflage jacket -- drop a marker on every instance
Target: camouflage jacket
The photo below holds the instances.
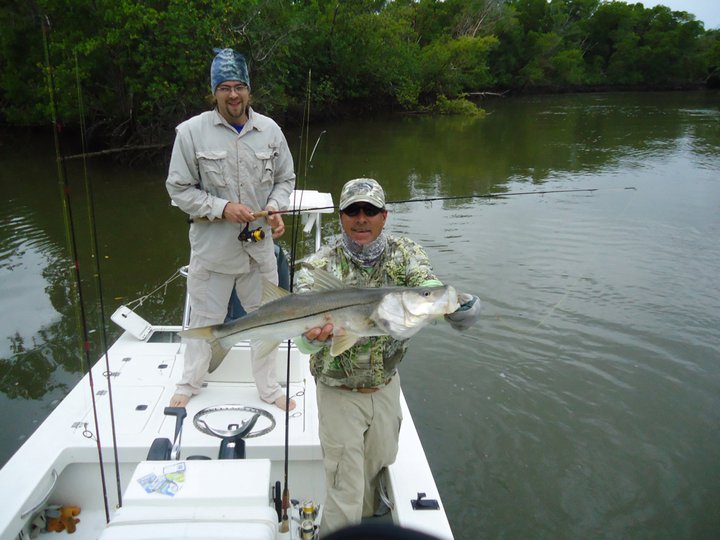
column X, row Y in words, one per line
column 372, row 360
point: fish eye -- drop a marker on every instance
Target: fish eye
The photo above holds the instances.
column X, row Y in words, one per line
column 426, row 293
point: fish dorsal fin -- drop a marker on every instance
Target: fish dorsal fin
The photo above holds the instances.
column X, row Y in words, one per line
column 342, row 342
column 272, row 292
column 324, row 280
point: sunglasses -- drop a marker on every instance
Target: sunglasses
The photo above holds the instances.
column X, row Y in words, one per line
column 368, row 209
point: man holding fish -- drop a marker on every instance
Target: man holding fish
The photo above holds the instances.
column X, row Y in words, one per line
column 358, row 390
column 360, row 299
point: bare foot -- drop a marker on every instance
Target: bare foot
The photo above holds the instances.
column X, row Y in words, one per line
column 280, row 403
column 179, row 400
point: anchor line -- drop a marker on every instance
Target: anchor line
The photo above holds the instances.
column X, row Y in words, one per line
column 95, row 255
column 137, row 302
column 72, row 247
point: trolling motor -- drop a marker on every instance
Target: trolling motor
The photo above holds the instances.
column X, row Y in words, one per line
column 246, row 235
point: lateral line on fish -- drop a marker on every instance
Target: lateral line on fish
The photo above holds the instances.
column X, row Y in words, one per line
column 288, row 319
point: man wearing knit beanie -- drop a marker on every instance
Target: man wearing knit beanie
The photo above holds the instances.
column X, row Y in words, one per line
column 226, row 164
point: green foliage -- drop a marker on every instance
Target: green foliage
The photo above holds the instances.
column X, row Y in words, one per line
column 135, row 68
column 373, row 56
column 453, row 66
column 459, row 106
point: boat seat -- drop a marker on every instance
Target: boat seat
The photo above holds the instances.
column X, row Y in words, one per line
column 160, row 449
column 219, row 499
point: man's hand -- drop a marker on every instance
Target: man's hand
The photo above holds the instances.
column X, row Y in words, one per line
column 319, row 333
column 276, row 223
column 237, row 213
column 467, row 314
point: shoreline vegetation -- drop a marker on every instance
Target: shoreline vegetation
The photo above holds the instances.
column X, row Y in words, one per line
column 129, row 72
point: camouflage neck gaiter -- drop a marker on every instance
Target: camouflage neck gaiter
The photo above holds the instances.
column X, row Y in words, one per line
column 365, row 255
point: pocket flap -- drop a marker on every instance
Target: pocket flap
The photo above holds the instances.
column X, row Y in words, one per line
column 205, row 154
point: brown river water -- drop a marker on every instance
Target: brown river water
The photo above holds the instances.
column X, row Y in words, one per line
column 585, row 404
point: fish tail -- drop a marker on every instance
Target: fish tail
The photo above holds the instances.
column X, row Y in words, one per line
column 203, row 332
column 218, row 350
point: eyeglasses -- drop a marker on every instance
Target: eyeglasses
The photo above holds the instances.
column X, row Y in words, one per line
column 368, row 209
column 238, row 88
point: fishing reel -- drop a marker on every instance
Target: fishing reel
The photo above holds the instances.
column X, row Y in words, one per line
column 255, row 235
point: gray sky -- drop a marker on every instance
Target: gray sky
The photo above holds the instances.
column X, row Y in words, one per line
column 707, row 11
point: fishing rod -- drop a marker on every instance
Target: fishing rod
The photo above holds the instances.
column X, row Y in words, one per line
column 285, row 522
column 72, row 247
column 265, row 213
column 501, row 195
column 295, row 238
column 95, row 255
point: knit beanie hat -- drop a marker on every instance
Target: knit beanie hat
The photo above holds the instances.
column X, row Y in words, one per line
column 228, row 65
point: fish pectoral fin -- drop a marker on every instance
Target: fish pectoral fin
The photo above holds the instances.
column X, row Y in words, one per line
column 399, row 325
column 324, row 280
column 342, row 342
column 272, row 292
column 264, row 348
column 391, row 317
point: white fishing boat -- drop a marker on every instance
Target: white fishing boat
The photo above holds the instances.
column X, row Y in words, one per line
column 121, row 489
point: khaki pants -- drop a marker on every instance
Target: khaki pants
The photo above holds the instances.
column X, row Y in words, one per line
column 209, row 296
column 359, row 437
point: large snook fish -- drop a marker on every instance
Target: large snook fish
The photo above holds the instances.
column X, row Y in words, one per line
column 399, row 312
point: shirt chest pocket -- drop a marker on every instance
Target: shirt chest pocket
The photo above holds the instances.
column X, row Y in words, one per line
column 266, row 163
column 212, row 167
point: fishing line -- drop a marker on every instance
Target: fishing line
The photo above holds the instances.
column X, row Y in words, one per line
column 501, row 195
column 572, row 285
column 95, row 254
column 297, row 210
column 72, row 247
column 447, row 198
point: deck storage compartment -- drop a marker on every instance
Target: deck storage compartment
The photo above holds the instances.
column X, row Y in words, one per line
column 228, row 499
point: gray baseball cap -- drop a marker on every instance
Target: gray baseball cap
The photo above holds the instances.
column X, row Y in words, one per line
column 362, row 190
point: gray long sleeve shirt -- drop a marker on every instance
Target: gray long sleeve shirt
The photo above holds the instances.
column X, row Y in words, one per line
column 212, row 164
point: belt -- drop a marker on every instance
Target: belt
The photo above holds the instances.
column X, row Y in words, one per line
column 370, row 390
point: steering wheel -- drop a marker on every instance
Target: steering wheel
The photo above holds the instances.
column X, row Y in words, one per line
column 245, row 427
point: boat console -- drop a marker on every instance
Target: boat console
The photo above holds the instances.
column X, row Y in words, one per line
column 219, row 499
column 199, row 498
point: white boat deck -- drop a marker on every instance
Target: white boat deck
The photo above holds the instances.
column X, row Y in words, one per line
column 143, row 375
